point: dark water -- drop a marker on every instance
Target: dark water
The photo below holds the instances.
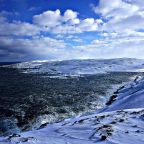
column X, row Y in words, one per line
column 24, row 97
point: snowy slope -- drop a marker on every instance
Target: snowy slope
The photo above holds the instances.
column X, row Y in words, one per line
column 119, row 127
column 79, row 67
column 129, row 97
column 122, row 122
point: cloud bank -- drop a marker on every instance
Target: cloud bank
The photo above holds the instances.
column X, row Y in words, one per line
column 118, row 32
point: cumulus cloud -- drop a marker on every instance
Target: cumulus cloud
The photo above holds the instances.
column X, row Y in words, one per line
column 74, row 21
column 88, row 24
column 121, row 15
column 53, row 18
column 80, row 26
column 48, row 18
column 134, row 22
column 49, row 22
column 15, row 43
column 117, row 8
column 122, row 26
column 68, row 23
column 119, row 32
column 69, row 15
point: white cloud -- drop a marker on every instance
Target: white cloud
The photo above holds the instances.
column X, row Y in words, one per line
column 18, row 28
column 99, row 21
column 115, row 8
column 119, row 28
column 139, row 3
column 131, row 23
column 65, row 29
column 106, row 6
column 48, row 19
column 88, row 24
column 42, row 46
column 69, row 15
column 2, row 19
column 114, row 48
column 120, row 16
column 68, row 23
column 50, row 22
column 75, row 21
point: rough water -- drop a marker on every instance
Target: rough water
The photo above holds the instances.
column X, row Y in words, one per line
column 29, row 100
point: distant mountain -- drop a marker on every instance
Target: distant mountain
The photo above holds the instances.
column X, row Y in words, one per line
column 80, row 67
column 8, row 63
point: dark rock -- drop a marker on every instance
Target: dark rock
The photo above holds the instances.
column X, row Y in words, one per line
column 121, row 120
column 127, row 132
column 13, row 135
column 43, row 125
column 103, row 137
column 112, row 99
column 113, row 122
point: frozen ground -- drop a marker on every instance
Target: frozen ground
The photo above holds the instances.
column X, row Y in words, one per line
column 120, row 122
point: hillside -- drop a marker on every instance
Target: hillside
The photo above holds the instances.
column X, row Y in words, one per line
column 120, row 122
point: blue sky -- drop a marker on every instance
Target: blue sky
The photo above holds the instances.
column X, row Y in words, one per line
column 28, row 8
column 71, row 29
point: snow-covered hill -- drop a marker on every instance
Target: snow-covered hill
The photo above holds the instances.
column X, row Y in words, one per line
column 130, row 97
column 79, row 67
column 121, row 122
column 119, row 127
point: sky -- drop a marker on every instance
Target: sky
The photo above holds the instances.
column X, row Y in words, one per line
column 71, row 29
